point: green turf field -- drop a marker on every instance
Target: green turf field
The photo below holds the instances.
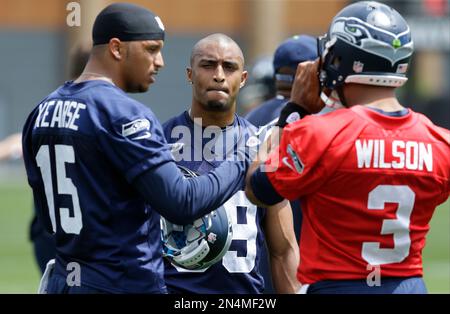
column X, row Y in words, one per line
column 19, row 273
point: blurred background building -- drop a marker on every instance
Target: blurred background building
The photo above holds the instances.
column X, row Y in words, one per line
column 36, row 42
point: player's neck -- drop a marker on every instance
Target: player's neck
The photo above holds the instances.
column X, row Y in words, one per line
column 96, row 71
column 212, row 118
column 383, row 98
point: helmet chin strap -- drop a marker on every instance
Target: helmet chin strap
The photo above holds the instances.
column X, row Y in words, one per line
column 332, row 101
column 340, row 92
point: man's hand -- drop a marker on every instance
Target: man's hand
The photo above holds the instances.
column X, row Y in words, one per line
column 306, row 88
column 11, row 147
column 270, row 144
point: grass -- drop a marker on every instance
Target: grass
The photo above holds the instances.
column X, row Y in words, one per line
column 436, row 255
column 19, row 272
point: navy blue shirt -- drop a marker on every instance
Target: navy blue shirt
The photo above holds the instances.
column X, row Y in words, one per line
column 239, row 270
column 87, row 147
column 267, row 111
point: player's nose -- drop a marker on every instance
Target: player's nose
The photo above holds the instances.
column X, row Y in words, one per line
column 219, row 74
column 159, row 61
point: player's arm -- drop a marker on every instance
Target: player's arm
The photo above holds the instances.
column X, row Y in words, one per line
column 272, row 198
column 304, row 100
column 11, row 147
column 182, row 200
column 136, row 146
column 283, row 247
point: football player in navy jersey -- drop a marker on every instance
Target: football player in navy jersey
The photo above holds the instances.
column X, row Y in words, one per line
column 43, row 241
column 287, row 56
column 101, row 170
column 205, row 134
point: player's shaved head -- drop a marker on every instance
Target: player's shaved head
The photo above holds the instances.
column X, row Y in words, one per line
column 218, row 39
column 216, row 74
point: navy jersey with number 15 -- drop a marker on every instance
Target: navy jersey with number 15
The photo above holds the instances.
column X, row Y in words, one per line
column 83, row 147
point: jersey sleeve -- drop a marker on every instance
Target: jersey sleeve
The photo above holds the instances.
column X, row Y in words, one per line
column 443, row 136
column 133, row 139
column 297, row 167
column 34, row 175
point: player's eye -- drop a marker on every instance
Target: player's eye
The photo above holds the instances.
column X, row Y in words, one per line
column 230, row 66
column 207, row 65
column 153, row 49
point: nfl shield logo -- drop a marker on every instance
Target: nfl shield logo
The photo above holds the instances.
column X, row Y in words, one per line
column 358, row 67
column 212, row 237
column 402, row 68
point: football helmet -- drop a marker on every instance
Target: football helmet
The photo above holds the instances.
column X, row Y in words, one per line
column 200, row 244
column 367, row 43
column 260, row 86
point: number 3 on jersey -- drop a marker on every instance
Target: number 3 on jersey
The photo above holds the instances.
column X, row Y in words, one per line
column 63, row 154
column 399, row 228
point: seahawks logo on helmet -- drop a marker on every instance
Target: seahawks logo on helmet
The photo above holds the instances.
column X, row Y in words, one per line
column 198, row 245
column 365, row 33
column 372, row 39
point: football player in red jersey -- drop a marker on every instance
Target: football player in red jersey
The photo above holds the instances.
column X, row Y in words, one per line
column 370, row 174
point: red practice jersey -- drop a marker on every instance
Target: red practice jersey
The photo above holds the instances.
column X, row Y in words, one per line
column 368, row 184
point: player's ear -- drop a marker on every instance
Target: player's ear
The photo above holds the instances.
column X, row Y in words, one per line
column 189, row 75
column 116, row 48
column 244, row 77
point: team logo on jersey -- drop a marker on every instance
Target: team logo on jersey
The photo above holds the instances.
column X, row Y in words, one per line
column 358, row 66
column 298, row 164
column 253, row 141
column 139, row 129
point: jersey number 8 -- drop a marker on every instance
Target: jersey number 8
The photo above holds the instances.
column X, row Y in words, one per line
column 246, row 232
